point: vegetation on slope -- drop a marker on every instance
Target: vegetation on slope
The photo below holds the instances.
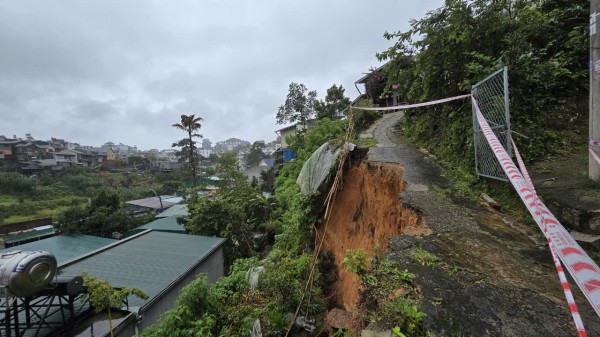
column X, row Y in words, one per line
column 543, row 43
column 230, row 306
column 23, row 198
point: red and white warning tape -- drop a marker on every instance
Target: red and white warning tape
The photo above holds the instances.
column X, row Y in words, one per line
column 559, row 269
column 582, row 268
column 594, row 143
column 417, row 105
column 594, row 155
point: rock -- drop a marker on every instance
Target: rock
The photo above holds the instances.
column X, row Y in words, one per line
column 570, row 217
column 594, row 221
column 338, row 318
column 398, row 292
column 493, row 203
column 417, row 231
column 587, row 241
column 373, row 331
column 402, row 242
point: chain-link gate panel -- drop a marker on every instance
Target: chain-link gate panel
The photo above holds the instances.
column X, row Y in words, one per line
column 492, row 97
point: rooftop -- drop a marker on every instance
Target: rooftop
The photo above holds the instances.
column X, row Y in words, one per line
column 152, row 202
column 65, row 247
column 168, row 224
column 150, row 261
column 175, row 210
column 10, row 240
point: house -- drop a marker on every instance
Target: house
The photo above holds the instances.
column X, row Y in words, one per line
column 61, row 144
column 27, row 151
column 86, row 158
column 111, row 154
column 47, row 166
column 66, row 158
column 293, row 130
column 151, row 204
column 160, row 263
column 266, row 163
column 7, row 147
column 288, row 131
column 374, row 83
column 205, row 153
column 166, row 165
column 99, row 152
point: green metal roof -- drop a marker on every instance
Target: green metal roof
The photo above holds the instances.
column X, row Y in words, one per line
column 165, row 225
column 24, row 236
column 65, row 247
column 150, row 261
column 175, row 210
column 160, row 225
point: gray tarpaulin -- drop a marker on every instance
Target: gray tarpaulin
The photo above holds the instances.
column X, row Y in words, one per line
column 318, row 167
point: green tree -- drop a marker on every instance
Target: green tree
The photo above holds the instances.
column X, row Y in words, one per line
column 104, row 216
column 298, row 106
column 102, row 296
column 228, row 169
column 191, row 125
column 236, row 212
column 256, row 153
column 335, row 103
column 545, row 46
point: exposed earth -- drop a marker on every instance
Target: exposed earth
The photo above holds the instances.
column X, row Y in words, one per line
column 496, row 276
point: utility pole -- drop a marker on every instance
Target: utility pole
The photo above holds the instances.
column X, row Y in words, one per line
column 594, row 122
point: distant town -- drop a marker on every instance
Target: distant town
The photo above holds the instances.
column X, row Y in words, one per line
column 34, row 157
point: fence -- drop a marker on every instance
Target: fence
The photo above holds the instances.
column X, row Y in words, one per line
column 492, row 96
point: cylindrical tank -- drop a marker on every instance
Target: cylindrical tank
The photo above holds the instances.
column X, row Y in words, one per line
column 26, row 273
column 70, row 285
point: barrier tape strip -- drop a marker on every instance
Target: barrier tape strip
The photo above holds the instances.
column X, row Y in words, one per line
column 563, row 246
column 594, row 143
column 411, row 106
column 582, row 268
column 559, row 269
column 594, row 155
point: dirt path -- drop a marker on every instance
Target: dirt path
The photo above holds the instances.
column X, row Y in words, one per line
column 503, row 282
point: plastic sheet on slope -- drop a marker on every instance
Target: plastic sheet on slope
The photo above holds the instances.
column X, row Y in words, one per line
column 318, row 167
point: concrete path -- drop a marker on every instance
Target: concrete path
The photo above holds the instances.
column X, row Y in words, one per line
column 506, row 284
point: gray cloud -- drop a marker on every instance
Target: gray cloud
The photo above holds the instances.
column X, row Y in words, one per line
column 125, row 71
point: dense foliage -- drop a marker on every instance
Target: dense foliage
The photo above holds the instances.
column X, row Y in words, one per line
column 256, row 154
column 231, row 306
column 334, row 105
column 298, row 105
column 105, row 216
column 543, row 43
column 236, row 212
column 23, row 198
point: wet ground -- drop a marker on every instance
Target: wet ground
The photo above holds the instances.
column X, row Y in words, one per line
column 496, row 277
column 564, row 186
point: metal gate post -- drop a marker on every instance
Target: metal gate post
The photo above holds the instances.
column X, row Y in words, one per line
column 475, row 128
column 507, row 114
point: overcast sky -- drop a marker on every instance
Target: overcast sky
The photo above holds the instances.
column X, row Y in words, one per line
column 124, row 71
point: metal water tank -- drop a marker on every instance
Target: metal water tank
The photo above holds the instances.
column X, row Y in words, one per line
column 26, row 273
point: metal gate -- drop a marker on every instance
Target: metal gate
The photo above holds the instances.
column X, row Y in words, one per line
column 492, row 97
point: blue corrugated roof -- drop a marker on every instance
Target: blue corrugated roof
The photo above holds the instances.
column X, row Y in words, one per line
column 65, row 247
column 168, row 224
column 175, row 210
column 150, row 261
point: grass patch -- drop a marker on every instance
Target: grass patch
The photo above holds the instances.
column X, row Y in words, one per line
column 367, row 142
column 424, row 258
